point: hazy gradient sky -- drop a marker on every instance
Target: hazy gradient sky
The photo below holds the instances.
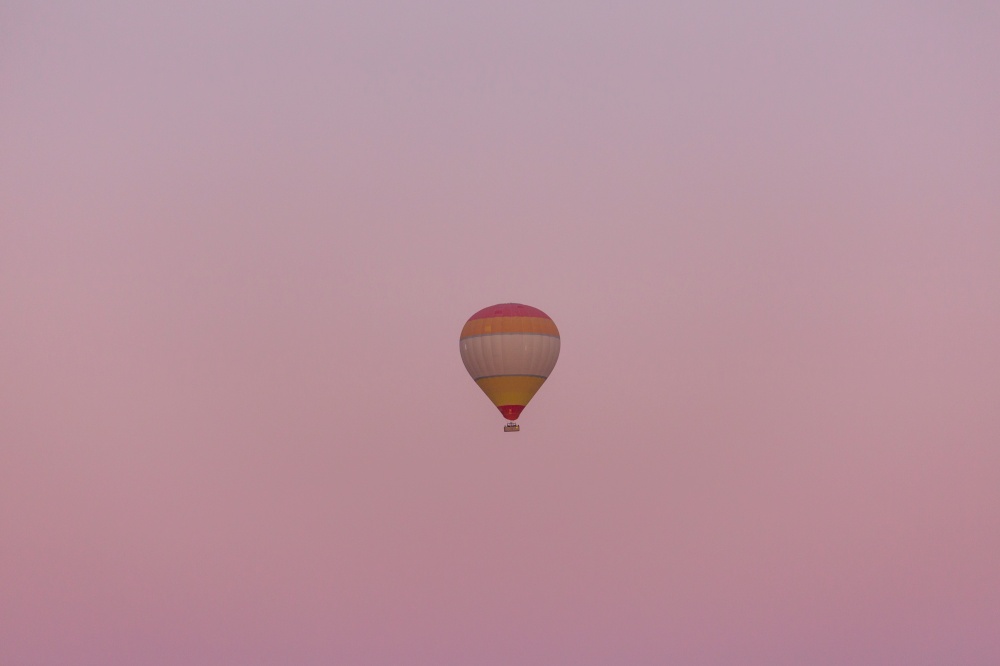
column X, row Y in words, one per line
column 238, row 242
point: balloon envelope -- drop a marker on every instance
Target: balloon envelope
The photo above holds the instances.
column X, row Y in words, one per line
column 509, row 349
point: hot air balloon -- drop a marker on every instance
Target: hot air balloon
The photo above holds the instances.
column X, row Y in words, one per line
column 509, row 349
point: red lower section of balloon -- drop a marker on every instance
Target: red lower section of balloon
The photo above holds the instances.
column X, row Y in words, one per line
column 511, row 412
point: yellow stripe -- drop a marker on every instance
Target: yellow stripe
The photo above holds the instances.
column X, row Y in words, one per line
column 510, row 389
column 509, row 325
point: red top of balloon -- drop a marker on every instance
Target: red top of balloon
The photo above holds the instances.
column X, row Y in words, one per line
column 509, row 310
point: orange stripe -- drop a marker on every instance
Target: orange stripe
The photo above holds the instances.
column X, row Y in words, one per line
column 509, row 325
column 510, row 389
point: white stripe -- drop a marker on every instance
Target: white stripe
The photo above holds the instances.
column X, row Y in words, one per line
column 509, row 354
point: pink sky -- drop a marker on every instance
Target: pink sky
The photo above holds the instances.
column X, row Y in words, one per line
column 238, row 242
